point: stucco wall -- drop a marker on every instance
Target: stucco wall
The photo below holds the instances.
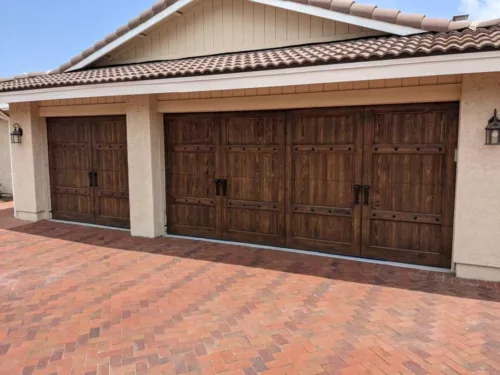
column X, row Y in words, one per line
column 477, row 214
column 5, row 169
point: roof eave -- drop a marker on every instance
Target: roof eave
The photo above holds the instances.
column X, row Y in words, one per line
column 166, row 13
column 466, row 63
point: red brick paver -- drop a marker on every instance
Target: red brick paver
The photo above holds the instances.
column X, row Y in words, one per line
column 76, row 300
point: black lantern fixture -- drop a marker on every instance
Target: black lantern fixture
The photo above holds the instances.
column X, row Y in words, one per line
column 17, row 134
column 493, row 131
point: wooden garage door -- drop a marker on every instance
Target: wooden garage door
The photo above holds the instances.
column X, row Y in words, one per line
column 193, row 208
column 376, row 182
column 226, row 177
column 324, row 166
column 253, row 170
column 89, row 170
column 409, row 168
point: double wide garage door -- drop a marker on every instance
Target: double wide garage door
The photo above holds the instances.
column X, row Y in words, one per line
column 376, row 182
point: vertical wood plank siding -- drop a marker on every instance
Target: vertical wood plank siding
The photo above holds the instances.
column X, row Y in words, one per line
column 217, row 26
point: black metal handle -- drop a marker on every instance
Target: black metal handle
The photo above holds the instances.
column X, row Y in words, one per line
column 357, row 192
column 224, row 187
column 91, row 180
column 95, row 180
column 217, row 182
column 366, row 195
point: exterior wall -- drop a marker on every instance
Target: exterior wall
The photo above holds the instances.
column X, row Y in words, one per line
column 82, row 102
column 216, row 26
column 5, row 167
column 146, row 167
column 30, row 164
column 394, row 91
column 477, row 215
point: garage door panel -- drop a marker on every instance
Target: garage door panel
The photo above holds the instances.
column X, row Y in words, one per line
column 254, row 221
column 410, row 126
column 193, row 162
column 406, row 236
column 113, row 180
column 113, row 208
column 327, row 128
column 252, row 163
column 253, row 189
column 73, row 203
column 189, row 130
column 323, row 193
column 324, row 156
column 110, row 162
column 192, row 186
column 323, row 228
column 407, row 198
column 325, row 165
column 410, row 169
column 194, row 215
column 70, row 161
column 253, row 129
column 192, row 144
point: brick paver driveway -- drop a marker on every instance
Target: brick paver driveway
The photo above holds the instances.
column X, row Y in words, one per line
column 77, row 300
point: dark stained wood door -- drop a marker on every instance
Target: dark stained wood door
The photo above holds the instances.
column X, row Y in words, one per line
column 410, row 169
column 376, row 182
column 89, row 170
column 253, row 164
column 70, row 160
column 324, row 163
column 110, row 167
column 193, row 208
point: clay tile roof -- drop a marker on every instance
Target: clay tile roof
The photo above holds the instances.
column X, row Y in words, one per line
column 418, row 21
column 373, row 49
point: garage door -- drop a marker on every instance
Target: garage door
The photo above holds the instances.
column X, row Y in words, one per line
column 376, row 182
column 89, row 170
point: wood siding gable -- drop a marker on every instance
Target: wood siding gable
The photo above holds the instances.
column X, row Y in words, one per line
column 220, row 26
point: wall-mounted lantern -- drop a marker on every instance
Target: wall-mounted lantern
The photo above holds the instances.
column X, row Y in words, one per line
column 493, row 131
column 17, row 134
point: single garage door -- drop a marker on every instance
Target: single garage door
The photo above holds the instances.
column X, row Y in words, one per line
column 89, row 170
column 376, row 182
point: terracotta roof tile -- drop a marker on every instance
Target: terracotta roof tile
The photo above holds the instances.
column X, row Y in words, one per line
column 418, row 21
column 373, row 48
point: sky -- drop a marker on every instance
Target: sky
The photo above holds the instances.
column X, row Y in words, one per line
column 39, row 35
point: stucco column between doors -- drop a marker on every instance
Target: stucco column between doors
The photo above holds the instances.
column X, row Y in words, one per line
column 146, row 166
column 30, row 178
column 476, row 251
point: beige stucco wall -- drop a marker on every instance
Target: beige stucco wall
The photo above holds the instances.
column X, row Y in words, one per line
column 30, row 163
column 477, row 215
column 5, row 168
column 146, row 167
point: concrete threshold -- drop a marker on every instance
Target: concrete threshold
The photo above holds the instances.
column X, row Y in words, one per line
column 315, row 253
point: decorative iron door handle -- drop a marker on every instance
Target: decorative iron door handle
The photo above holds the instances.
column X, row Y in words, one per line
column 91, row 180
column 366, row 196
column 95, row 180
column 217, row 182
column 357, row 192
